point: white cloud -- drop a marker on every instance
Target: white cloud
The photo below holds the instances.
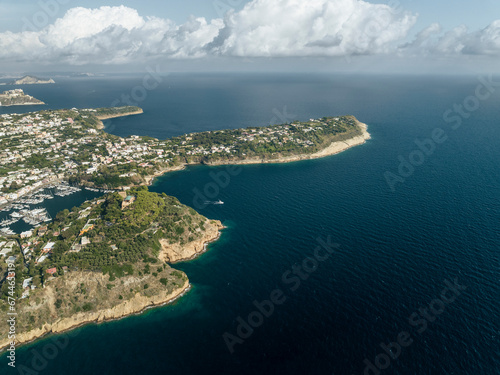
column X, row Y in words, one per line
column 263, row 28
column 314, row 27
column 484, row 42
column 458, row 41
column 79, row 23
column 423, row 38
column 109, row 35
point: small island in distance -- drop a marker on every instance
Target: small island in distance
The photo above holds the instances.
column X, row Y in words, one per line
column 17, row 97
column 30, row 80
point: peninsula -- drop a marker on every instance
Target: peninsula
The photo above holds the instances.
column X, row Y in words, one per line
column 17, row 97
column 46, row 146
column 112, row 256
column 114, row 112
column 30, row 80
column 102, row 260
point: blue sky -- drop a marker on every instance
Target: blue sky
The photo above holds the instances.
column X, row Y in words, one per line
column 450, row 13
column 397, row 34
column 175, row 10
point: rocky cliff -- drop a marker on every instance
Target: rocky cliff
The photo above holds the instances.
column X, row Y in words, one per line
column 172, row 253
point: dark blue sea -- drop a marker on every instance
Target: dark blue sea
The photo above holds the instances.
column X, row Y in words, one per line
column 383, row 259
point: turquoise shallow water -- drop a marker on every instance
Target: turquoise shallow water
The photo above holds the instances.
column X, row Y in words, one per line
column 396, row 248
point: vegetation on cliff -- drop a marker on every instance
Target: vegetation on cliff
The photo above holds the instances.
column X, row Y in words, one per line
column 17, row 97
column 75, row 147
column 110, row 244
column 31, row 80
column 115, row 111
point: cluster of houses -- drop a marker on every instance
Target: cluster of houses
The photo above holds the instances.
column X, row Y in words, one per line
column 7, row 250
column 27, row 181
column 6, row 247
column 7, row 96
column 13, row 93
column 23, row 136
column 277, row 134
column 30, row 241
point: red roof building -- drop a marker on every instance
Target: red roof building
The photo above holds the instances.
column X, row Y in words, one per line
column 52, row 271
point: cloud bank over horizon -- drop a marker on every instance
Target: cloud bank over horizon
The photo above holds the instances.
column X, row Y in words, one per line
column 263, row 28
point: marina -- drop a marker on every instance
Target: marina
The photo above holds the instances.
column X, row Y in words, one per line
column 63, row 190
column 36, row 217
column 8, row 222
column 100, row 190
column 7, row 231
column 38, row 207
column 32, row 217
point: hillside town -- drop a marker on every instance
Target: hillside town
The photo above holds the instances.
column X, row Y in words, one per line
column 17, row 97
column 59, row 152
column 47, row 147
column 119, row 234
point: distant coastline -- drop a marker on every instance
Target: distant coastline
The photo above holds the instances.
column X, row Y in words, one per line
column 29, row 80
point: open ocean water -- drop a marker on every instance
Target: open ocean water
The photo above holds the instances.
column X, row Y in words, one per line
column 397, row 249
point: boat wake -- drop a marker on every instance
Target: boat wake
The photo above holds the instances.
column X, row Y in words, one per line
column 214, row 202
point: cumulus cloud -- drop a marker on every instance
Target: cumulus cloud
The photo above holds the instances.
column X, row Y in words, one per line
column 313, row 28
column 81, row 23
column 484, row 42
column 423, row 38
column 109, row 35
column 458, row 41
column 263, row 28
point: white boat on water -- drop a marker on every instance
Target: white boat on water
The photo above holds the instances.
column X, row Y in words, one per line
column 7, row 222
column 214, row 202
column 7, row 231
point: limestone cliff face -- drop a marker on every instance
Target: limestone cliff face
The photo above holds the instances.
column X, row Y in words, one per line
column 149, row 179
column 134, row 305
column 339, row 146
column 172, row 253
